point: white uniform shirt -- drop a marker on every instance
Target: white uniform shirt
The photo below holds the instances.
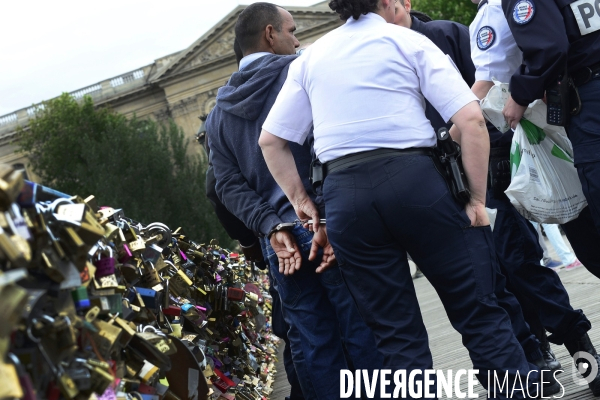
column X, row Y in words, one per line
column 363, row 84
column 493, row 48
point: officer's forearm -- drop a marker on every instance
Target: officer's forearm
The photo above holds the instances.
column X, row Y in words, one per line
column 475, row 143
column 481, row 88
column 282, row 166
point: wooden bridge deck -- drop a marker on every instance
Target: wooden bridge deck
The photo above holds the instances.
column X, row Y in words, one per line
column 449, row 353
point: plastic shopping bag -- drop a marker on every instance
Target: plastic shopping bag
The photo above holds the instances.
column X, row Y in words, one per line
column 493, row 104
column 544, row 186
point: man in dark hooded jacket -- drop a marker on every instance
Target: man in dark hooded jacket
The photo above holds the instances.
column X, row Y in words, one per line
column 317, row 306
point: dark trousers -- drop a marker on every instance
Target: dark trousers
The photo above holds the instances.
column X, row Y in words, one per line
column 322, row 318
column 539, row 289
column 280, row 328
column 584, row 239
column 584, row 132
column 380, row 210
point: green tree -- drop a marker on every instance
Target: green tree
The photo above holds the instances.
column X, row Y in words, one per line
column 137, row 165
column 462, row 11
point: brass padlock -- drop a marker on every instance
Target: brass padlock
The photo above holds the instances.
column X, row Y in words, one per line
column 101, row 379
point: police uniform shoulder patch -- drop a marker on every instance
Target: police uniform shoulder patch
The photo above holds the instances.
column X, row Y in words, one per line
column 486, row 37
column 523, row 11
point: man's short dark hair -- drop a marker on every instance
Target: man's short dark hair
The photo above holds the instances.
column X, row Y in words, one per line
column 353, row 8
column 252, row 22
column 238, row 51
column 421, row 16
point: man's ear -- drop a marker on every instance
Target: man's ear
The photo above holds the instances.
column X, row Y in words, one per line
column 269, row 34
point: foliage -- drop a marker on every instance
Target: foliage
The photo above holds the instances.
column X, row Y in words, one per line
column 462, row 11
column 137, row 165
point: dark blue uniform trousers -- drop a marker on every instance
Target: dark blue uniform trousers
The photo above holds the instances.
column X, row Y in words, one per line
column 584, row 132
column 584, row 238
column 380, row 210
column 539, row 289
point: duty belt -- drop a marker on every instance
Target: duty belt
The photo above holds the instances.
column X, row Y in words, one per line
column 366, row 156
column 319, row 171
column 584, row 75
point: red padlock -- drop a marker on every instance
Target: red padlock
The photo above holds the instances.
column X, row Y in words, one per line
column 173, row 311
column 235, row 294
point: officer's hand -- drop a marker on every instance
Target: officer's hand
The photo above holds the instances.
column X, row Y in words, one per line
column 288, row 254
column 306, row 210
column 320, row 240
column 513, row 112
column 477, row 214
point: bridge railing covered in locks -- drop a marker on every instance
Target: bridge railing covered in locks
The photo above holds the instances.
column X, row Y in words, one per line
column 96, row 305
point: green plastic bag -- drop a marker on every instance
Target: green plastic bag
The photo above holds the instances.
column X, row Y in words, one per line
column 544, row 186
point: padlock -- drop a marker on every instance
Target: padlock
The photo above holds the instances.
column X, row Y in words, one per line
column 151, row 277
column 151, row 298
column 66, row 339
column 101, row 379
column 64, row 382
column 137, row 246
column 81, row 376
column 90, row 230
column 106, row 338
column 235, row 294
column 80, row 298
column 105, row 262
column 125, row 254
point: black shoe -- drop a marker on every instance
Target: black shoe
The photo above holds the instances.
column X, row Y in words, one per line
column 584, row 345
column 549, row 357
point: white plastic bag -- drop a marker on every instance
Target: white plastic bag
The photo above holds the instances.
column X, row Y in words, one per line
column 493, row 104
column 544, row 186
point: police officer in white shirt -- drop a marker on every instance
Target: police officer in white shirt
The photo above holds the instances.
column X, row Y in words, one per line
column 363, row 87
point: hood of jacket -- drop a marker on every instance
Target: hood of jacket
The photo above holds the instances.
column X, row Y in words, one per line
column 247, row 90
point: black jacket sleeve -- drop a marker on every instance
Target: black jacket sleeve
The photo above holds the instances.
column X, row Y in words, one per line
column 544, row 43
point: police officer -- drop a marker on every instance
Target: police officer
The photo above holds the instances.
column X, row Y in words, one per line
column 558, row 37
column 363, row 87
column 497, row 56
column 453, row 39
column 540, row 291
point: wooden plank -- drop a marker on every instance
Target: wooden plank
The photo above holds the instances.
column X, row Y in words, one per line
column 449, row 353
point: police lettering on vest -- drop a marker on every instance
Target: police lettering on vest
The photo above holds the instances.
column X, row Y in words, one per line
column 587, row 14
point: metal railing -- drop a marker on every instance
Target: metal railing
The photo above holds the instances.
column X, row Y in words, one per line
column 95, row 91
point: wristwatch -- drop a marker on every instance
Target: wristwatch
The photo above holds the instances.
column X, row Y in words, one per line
column 284, row 226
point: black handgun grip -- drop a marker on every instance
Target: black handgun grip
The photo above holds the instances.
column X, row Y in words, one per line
column 445, row 142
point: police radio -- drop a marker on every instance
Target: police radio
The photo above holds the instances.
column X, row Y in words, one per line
column 557, row 99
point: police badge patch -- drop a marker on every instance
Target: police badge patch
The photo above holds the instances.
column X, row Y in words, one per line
column 485, row 37
column 523, row 11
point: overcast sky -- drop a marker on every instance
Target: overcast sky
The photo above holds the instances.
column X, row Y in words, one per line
column 50, row 47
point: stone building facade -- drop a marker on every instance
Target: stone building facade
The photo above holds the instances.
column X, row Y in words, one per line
column 181, row 86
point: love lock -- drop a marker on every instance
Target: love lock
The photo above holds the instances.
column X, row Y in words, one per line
column 105, row 263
